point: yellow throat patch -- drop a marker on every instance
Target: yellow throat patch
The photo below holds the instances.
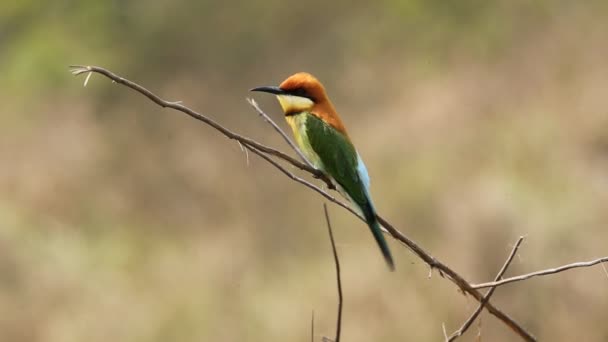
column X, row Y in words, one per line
column 294, row 104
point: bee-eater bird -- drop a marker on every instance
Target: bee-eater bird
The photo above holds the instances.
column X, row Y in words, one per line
column 320, row 134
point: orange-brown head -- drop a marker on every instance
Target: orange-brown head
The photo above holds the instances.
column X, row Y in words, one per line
column 302, row 92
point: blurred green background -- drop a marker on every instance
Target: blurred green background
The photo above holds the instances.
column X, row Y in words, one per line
column 479, row 121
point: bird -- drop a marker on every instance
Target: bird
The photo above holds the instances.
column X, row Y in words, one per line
column 322, row 137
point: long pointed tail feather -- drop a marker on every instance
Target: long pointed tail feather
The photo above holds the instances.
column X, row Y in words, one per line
column 379, row 236
column 374, row 226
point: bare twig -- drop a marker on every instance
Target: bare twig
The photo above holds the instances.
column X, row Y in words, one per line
column 86, row 80
column 279, row 130
column 244, row 151
column 263, row 151
column 456, row 278
column 541, row 273
column 304, row 182
column 78, row 70
column 489, row 294
column 338, row 280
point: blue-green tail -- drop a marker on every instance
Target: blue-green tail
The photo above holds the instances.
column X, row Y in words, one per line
column 374, row 226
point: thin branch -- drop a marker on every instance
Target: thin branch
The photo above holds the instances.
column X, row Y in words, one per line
column 541, row 273
column 457, row 279
column 244, row 151
column 262, row 150
column 489, row 294
column 276, row 127
column 78, row 70
column 303, row 181
column 338, row 280
column 317, row 174
column 445, row 333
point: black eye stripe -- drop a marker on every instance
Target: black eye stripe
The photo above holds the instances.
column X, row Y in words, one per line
column 301, row 92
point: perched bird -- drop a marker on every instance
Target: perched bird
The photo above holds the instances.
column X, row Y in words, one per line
column 320, row 134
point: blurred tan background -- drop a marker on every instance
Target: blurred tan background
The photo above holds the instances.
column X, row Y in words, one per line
column 479, row 121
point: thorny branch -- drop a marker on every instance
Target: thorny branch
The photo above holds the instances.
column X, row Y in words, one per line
column 267, row 153
column 489, row 294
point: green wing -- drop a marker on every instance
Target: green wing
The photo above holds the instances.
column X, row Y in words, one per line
column 341, row 161
column 338, row 156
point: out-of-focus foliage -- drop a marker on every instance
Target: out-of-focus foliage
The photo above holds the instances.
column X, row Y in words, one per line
column 479, row 121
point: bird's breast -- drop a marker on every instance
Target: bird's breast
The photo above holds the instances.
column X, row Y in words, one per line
column 297, row 122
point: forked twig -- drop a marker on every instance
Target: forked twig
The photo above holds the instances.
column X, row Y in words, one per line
column 489, row 294
column 542, row 273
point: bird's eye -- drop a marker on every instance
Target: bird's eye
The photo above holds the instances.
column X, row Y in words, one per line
column 301, row 92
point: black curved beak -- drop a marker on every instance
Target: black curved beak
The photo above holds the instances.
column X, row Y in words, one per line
column 270, row 89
